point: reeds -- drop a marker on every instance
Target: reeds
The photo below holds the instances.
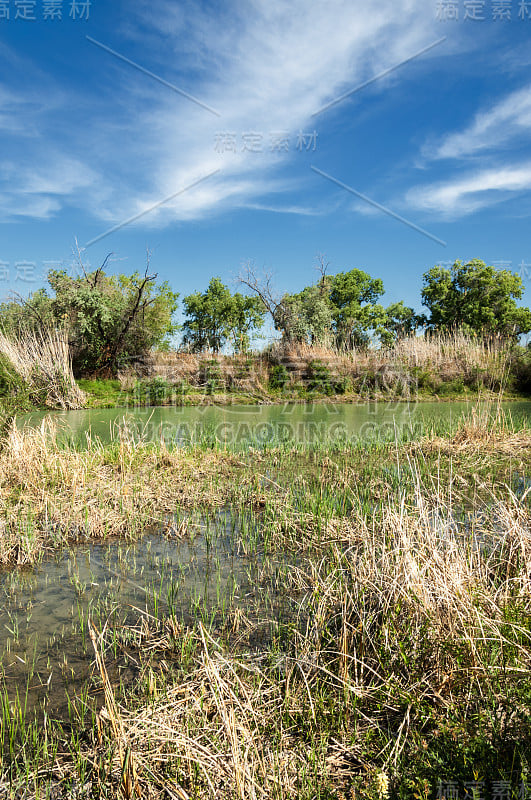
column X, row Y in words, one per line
column 53, row 492
column 42, row 359
column 412, row 363
column 401, row 646
column 399, row 622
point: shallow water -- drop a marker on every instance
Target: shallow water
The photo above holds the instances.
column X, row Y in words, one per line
column 239, row 425
column 44, row 642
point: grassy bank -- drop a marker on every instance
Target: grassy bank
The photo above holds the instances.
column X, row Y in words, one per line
column 36, row 372
column 395, row 652
column 443, row 367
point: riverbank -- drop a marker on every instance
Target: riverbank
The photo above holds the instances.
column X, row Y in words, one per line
column 413, row 370
column 453, row 367
column 384, row 645
column 108, row 394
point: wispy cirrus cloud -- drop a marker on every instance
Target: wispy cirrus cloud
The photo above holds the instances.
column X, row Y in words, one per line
column 39, row 190
column 501, row 123
column 467, row 187
column 267, row 66
column 477, row 190
column 274, row 68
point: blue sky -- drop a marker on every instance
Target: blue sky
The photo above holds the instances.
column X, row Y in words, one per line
column 236, row 123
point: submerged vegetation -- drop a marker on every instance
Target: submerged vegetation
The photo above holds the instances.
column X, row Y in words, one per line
column 384, row 647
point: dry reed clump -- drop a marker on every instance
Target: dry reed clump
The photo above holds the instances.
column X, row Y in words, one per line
column 406, row 614
column 128, row 379
column 484, row 428
column 441, row 566
column 42, row 359
column 411, row 361
column 440, row 350
column 244, row 373
column 437, row 359
column 50, row 492
column 175, row 367
column 210, row 731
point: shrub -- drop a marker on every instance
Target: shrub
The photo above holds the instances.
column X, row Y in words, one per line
column 455, row 386
column 342, row 385
column 319, row 377
column 159, row 390
column 210, row 375
column 278, row 377
column 153, row 392
column 425, row 378
column 12, row 385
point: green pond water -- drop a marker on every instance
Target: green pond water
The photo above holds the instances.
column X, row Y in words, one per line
column 241, row 425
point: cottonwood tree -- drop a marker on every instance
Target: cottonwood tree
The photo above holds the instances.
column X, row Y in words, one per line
column 355, row 313
column 401, row 321
column 476, row 297
column 215, row 317
column 339, row 309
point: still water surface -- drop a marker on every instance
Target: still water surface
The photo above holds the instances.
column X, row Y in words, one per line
column 44, row 643
column 238, row 425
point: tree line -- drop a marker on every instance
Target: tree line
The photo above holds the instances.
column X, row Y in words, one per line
column 114, row 319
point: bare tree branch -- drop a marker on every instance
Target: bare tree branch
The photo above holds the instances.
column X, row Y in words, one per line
column 137, row 308
column 30, row 308
column 261, row 287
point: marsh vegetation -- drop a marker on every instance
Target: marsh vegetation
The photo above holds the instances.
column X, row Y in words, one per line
column 359, row 626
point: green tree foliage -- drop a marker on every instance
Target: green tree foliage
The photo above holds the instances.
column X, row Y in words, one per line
column 475, row 297
column 340, row 309
column 307, row 316
column 110, row 319
column 401, row 321
column 355, row 311
column 216, row 316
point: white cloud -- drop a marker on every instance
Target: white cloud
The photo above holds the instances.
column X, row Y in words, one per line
column 266, row 65
column 35, row 207
column 503, row 122
column 40, row 190
column 467, row 194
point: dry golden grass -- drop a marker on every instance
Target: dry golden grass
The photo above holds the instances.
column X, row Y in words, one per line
column 437, row 350
column 241, row 373
column 50, row 493
column 440, row 350
column 414, row 362
column 213, row 722
column 412, row 580
column 43, row 361
column 442, row 357
column 400, row 615
column 484, row 428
